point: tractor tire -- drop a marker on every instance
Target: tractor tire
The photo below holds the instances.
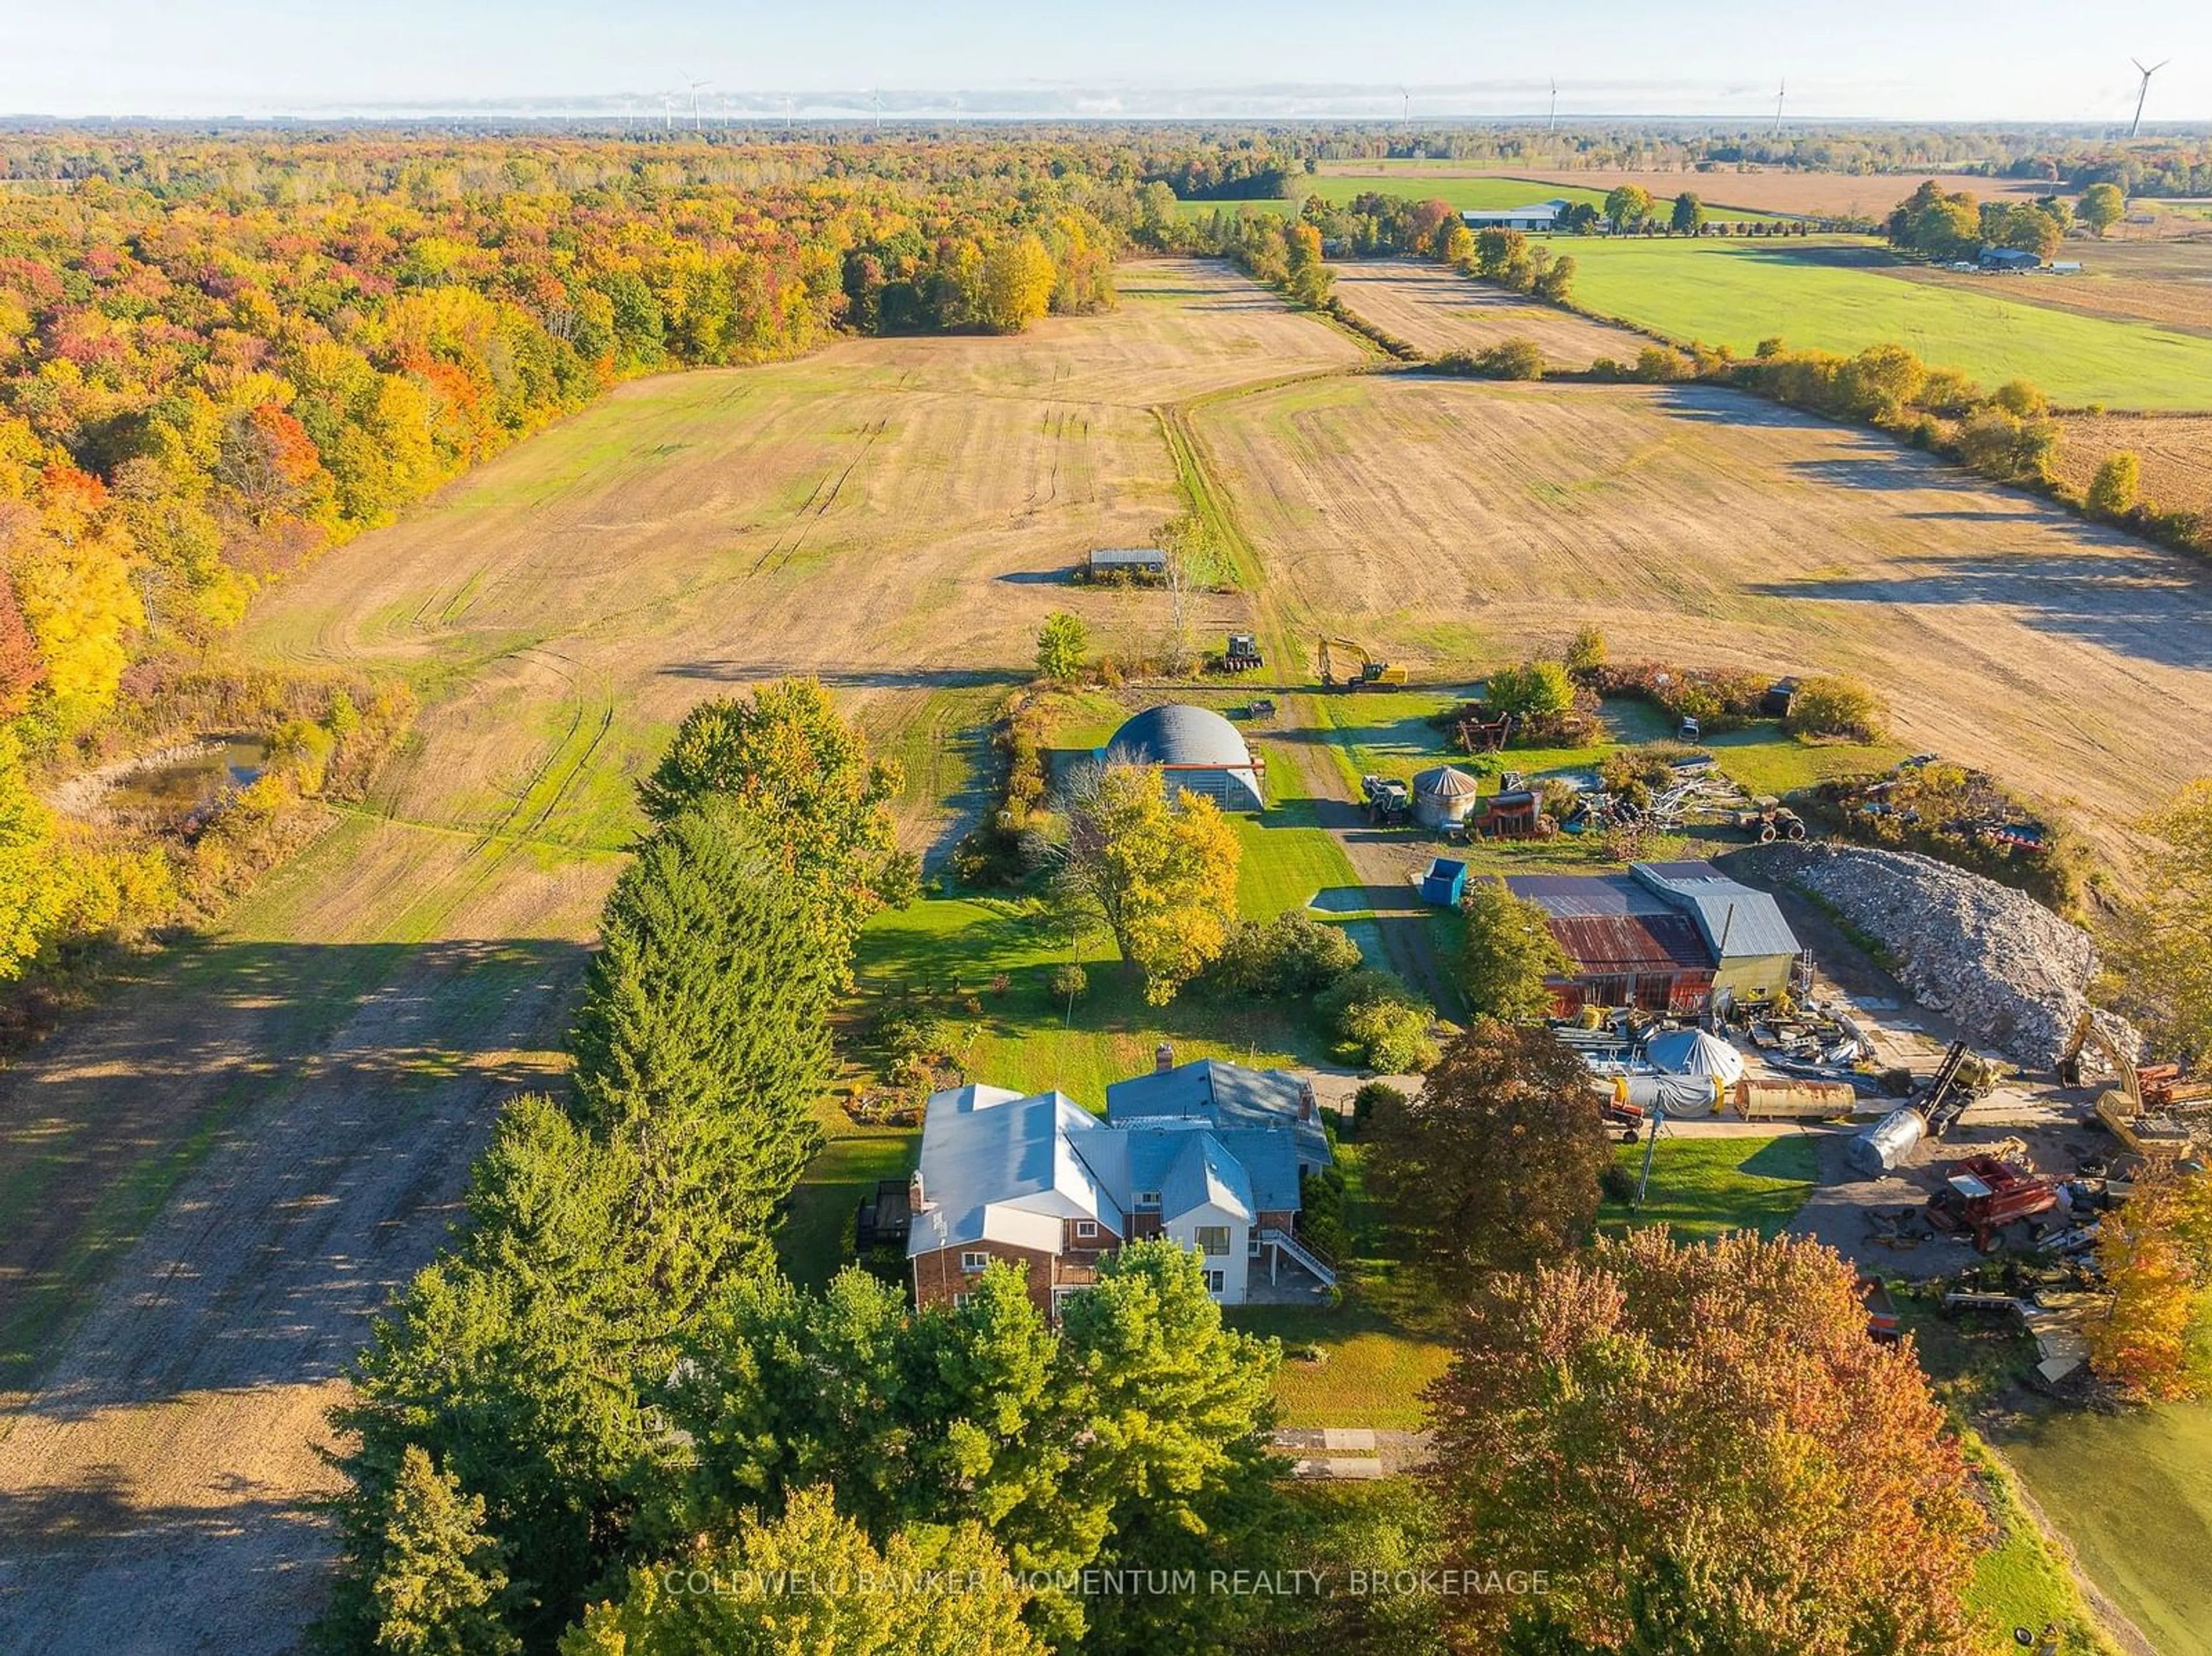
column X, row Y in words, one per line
column 1766, row 833
column 1988, row 1241
column 1795, row 831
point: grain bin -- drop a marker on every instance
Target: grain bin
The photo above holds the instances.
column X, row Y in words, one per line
column 1442, row 796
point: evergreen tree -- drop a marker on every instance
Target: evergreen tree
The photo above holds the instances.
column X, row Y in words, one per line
column 440, row 1587
column 703, row 1040
column 801, row 779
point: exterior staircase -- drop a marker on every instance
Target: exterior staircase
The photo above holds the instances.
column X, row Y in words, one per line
column 1299, row 1254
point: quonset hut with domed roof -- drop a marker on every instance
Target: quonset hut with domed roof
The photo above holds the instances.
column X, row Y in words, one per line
column 1198, row 749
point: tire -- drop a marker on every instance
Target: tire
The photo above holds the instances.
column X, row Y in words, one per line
column 1988, row 1241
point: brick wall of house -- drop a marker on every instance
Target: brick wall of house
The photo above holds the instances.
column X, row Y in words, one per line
column 937, row 1276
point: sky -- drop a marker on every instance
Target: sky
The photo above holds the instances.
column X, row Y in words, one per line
column 2028, row 60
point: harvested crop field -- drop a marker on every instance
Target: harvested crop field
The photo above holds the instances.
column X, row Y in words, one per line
column 1443, row 523
column 1437, row 310
column 2167, row 282
column 2176, row 451
column 207, row 1186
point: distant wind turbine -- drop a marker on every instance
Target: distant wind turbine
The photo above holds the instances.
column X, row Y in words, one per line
column 876, row 97
column 698, row 127
column 787, row 101
column 1405, row 106
column 1780, row 92
column 2143, row 91
column 1553, row 124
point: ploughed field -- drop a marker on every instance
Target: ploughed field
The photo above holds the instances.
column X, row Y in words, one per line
column 1442, row 521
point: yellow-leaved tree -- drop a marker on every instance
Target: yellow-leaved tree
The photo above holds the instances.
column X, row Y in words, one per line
column 33, row 889
column 1162, row 876
column 2156, row 1255
column 1017, row 281
column 72, row 576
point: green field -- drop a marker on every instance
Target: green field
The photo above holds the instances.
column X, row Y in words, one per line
column 2133, row 1493
column 1831, row 292
column 1467, row 195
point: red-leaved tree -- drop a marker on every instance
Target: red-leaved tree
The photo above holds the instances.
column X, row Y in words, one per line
column 1701, row 1450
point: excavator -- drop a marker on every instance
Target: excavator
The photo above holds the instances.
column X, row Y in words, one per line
column 2154, row 1111
column 1347, row 665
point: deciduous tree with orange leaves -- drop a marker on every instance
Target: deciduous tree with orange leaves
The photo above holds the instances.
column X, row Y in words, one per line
column 1700, row 1449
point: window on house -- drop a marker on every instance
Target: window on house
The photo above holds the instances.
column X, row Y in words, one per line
column 977, row 1260
column 1252, row 1245
column 960, row 1299
column 1086, row 1228
column 1148, row 1199
column 1215, row 1281
column 1211, row 1238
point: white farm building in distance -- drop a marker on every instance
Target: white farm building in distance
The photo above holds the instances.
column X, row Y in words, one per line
column 1537, row 215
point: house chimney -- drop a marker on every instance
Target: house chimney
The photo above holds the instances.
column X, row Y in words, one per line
column 916, row 1201
column 1164, row 1057
column 1306, row 1101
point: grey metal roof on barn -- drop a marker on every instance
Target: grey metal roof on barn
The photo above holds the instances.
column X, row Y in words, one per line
column 1113, row 557
column 985, row 1149
column 1738, row 922
column 1179, row 735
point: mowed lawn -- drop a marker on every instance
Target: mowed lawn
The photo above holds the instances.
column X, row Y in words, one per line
column 1705, row 1187
column 1832, row 293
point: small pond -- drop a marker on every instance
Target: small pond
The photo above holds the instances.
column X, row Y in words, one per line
column 199, row 776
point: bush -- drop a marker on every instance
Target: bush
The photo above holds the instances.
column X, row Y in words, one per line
column 1062, row 643
column 1293, row 953
column 1371, row 1095
column 1655, row 365
column 1511, row 359
column 1068, row 982
column 1832, row 705
column 1390, row 1037
column 1532, row 690
column 1321, row 1212
column 1587, row 653
column 1616, row 1184
column 2117, row 486
column 1385, row 1023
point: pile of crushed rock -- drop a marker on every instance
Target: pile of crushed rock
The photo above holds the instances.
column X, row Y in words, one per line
column 2012, row 974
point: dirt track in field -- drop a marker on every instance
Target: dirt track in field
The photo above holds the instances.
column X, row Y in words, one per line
column 1438, row 310
column 1444, row 523
column 233, row 1164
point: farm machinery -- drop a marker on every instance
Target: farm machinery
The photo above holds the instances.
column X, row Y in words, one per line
column 1243, row 655
column 2153, row 1110
column 1993, row 1200
column 1388, row 801
column 1768, row 819
column 1346, row 665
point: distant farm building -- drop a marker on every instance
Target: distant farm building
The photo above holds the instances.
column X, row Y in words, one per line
column 1537, row 215
column 1199, row 751
column 1660, row 938
column 2010, row 258
column 1126, row 563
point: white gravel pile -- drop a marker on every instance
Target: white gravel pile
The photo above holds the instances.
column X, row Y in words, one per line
column 2012, row 974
